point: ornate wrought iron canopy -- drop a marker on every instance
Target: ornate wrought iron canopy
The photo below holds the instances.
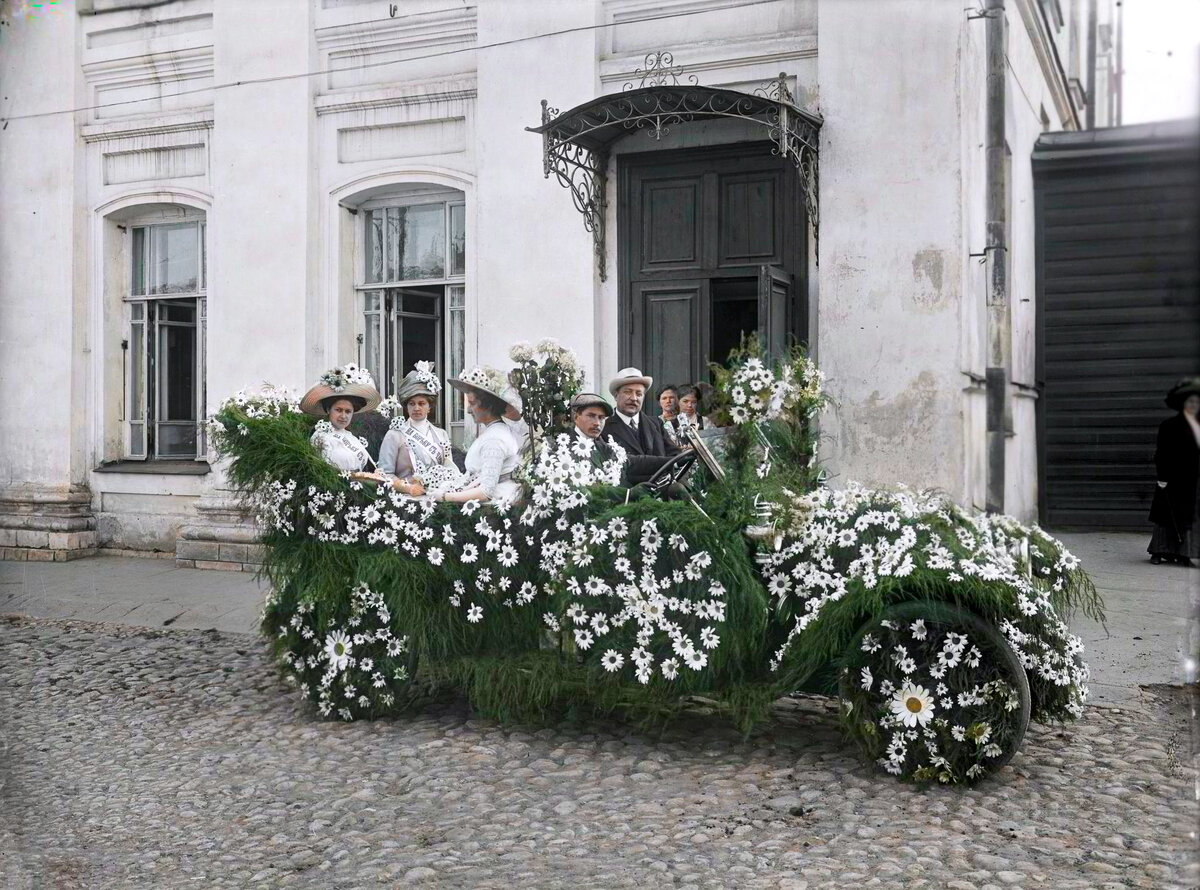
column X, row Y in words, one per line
column 575, row 143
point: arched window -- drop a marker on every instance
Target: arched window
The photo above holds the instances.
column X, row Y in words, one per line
column 411, row 287
column 163, row 348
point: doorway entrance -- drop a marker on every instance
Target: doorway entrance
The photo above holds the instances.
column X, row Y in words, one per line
column 712, row 247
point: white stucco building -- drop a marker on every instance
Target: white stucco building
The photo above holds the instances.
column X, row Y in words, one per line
column 201, row 195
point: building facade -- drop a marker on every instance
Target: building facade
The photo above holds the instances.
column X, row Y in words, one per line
column 202, row 195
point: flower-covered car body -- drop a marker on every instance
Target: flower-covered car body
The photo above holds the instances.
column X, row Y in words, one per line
column 942, row 630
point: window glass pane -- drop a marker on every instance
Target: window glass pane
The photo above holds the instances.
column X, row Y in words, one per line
column 203, row 256
column 371, row 337
column 458, row 239
column 393, row 243
column 374, row 246
column 457, row 345
column 135, row 357
column 174, row 259
column 183, row 313
column 423, row 301
column 137, row 440
column 422, row 245
column 176, row 440
column 138, row 252
column 177, row 372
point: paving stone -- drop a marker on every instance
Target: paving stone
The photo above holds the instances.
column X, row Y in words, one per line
column 177, row 758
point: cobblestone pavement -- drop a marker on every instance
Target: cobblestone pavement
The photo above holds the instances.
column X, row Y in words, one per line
column 140, row 758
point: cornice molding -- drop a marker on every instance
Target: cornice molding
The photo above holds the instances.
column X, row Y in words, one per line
column 157, row 126
column 442, row 26
column 397, row 96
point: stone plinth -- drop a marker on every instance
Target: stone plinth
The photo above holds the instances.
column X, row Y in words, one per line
column 46, row 523
column 223, row 535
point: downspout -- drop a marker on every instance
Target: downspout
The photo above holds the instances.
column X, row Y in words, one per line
column 1092, row 34
column 999, row 323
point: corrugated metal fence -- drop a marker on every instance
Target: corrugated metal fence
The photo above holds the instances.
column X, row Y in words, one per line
column 1118, row 313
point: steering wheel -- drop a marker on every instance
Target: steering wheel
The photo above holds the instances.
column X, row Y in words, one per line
column 671, row 472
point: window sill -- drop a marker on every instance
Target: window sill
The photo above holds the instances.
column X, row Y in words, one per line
column 157, row 467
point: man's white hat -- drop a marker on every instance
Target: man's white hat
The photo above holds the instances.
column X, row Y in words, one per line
column 629, row 375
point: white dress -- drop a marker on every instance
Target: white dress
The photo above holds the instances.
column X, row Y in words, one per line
column 342, row 448
column 421, row 450
column 491, row 461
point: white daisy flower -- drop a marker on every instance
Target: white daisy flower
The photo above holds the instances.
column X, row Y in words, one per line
column 709, row 638
column 470, row 552
column 508, row 556
column 612, row 660
column 918, row 629
column 337, row 649
column 583, row 638
column 913, row 705
column 867, row 679
column 695, row 659
column 670, row 668
column 475, row 614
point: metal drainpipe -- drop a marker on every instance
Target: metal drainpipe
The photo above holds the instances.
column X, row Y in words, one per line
column 999, row 323
column 1092, row 31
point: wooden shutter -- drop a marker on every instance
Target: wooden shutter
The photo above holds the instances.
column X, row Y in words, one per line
column 774, row 295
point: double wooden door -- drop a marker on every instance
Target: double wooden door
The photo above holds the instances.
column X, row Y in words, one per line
column 712, row 247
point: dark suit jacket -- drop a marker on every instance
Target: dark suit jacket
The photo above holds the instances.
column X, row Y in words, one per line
column 647, row 450
column 1176, row 461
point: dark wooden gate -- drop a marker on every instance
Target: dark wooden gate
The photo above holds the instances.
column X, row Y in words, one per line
column 1118, row 313
column 711, row 246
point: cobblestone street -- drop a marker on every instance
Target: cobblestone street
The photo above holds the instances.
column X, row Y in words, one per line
column 146, row 758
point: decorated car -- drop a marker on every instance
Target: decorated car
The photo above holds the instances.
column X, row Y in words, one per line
column 943, row 631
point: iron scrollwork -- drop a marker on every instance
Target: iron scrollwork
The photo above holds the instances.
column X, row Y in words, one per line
column 660, row 71
column 574, row 144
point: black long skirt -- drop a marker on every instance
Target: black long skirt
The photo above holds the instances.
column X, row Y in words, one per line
column 1165, row 542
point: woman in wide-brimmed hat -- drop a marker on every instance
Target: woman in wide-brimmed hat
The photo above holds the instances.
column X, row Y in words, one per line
column 494, row 455
column 414, row 447
column 338, row 396
column 1175, row 510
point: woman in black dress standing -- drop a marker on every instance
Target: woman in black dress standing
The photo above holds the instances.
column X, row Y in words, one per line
column 1175, row 510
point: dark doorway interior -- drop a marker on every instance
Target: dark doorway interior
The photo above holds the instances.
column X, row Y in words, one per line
column 734, row 315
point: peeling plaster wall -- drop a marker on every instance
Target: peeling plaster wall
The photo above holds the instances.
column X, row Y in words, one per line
column 891, row 243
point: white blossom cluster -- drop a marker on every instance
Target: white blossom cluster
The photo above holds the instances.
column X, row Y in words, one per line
column 551, row 351
column 934, row 705
column 267, row 401
column 755, row 392
column 859, row 538
column 562, row 472
column 349, row 669
column 348, row 374
column 673, row 626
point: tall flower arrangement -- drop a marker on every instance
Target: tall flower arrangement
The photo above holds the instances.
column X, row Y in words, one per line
column 547, row 376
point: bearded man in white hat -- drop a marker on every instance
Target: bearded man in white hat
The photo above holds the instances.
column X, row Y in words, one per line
column 639, row 433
